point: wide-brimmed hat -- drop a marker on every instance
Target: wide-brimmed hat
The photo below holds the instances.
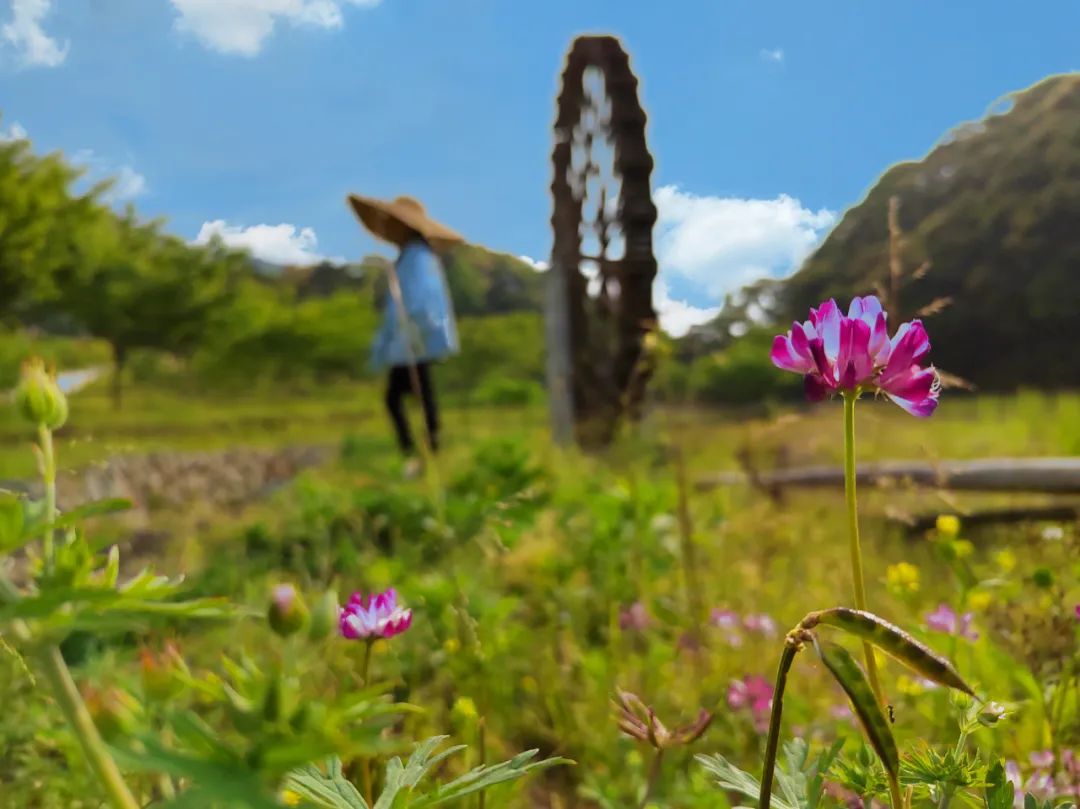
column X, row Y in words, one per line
column 394, row 221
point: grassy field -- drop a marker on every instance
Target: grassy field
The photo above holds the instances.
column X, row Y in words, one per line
column 542, row 581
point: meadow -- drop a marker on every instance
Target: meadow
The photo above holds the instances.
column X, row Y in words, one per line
column 543, row 583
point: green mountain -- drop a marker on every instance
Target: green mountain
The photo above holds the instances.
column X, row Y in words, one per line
column 995, row 211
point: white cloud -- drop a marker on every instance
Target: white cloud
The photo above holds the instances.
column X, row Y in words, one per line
column 14, row 132
column 772, row 55
column 278, row 244
column 242, row 26
column 723, row 243
column 25, row 34
column 536, row 264
column 677, row 317
column 127, row 182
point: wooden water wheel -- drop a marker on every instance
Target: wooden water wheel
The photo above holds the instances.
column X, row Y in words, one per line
column 600, row 306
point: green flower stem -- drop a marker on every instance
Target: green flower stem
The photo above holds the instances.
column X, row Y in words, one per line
column 853, row 533
column 792, row 645
column 82, row 724
column 48, row 476
column 654, row 777
column 365, row 762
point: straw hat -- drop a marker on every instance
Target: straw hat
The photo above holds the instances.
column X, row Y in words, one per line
column 393, row 221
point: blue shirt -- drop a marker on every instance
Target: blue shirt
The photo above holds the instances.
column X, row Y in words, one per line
column 430, row 332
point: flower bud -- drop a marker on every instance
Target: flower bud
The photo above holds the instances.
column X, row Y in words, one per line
column 287, row 614
column 324, row 619
column 991, row 714
column 161, row 672
column 114, row 711
column 39, row 398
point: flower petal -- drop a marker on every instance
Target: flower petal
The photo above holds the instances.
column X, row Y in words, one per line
column 915, row 391
column 785, row 357
column 853, row 362
column 826, row 321
column 910, row 345
column 815, row 388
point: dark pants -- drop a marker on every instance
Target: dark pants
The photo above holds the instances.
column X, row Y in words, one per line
column 398, row 385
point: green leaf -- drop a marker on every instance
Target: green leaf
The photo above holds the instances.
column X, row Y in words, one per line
column 731, row 779
column 893, row 641
column 999, row 792
column 852, row 679
column 327, row 791
column 11, row 520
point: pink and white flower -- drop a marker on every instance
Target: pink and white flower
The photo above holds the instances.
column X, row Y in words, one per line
column 852, row 353
column 373, row 617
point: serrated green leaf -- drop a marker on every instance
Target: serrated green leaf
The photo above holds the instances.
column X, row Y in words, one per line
column 327, row 791
column 731, row 779
column 896, row 643
column 851, row 678
column 999, row 791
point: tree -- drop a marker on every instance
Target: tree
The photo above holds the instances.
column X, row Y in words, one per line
column 135, row 288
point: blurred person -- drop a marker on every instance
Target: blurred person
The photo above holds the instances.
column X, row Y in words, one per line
column 418, row 324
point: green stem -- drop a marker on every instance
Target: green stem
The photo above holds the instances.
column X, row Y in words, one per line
column 654, row 778
column 365, row 763
column 791, row 648
column 48, row 476
column 82, row 724
column 894, row 793
column 853, row 533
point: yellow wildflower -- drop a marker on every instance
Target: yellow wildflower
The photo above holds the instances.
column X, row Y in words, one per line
column 980, row 600
column 948, row 525
column 902, row 578
column 465, row 708
column 451, row 646
column 1006, row 560
column 290, row 798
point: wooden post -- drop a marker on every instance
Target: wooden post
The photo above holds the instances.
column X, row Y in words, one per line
column 557, row 326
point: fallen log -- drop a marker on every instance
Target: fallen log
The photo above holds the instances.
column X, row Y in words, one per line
column 1041, row 475
column 997, row 516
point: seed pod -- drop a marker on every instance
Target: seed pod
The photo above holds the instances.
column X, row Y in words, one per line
column 896, row 643
column 848, row 673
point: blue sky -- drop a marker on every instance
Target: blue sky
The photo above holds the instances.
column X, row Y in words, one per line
column 254, row 118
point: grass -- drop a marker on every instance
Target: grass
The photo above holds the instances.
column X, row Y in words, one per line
column 519, row 579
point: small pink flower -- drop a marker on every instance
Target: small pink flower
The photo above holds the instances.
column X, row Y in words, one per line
column 761, row 624
column 945, row 619
column 728, row 622
column 1042, row 759
column 755, row 693
column 837, row 353
column 634, row 618
column 374, row 617
column 1076, row 611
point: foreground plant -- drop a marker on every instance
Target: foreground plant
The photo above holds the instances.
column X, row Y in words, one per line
column 73, row 588
column 852, row 355
column 879, row 634
column 639, row 721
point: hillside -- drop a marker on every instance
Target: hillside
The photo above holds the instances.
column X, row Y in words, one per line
column 994, row 208
column 481, row 282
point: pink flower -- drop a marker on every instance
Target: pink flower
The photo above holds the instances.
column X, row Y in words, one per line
column 854, row 352
column 761, row 624
column 1042, row 759
column 634, row 618
column 728, row 622
column 374, row 617
column 753, row 692
column 944, row 619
